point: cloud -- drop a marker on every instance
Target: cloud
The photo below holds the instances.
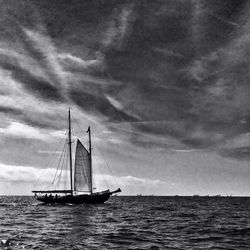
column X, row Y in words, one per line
column 199, row 98
column 41, row 47
column 237, row 147
column 241, row 153
column 176, row 69
column 37, row 86
column 119, row 26
column 10, row 110
column 35, row 178
column 22, row 130
column 12, row 173
column 17, row 129
column 73, row 63
column 114, row 102
column 49, row 152
column 98, row 105
column 132, row 185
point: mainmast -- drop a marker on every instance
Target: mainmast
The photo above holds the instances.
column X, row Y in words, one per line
column 70, row 156
column 90, row 160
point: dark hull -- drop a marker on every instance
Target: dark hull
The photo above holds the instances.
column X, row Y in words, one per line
column 75, row 199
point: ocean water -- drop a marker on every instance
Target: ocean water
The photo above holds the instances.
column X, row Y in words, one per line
column 141, row 222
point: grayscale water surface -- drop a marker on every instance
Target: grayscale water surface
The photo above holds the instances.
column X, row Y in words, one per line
column 142, row 222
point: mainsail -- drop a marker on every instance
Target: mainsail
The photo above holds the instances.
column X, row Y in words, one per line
column 82, row 173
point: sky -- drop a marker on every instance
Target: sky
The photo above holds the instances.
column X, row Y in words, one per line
column 164, row 86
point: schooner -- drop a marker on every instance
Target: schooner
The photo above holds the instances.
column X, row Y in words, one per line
column 81, row 178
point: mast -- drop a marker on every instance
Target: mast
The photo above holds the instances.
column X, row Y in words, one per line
column 70, row 156
column 90, row 161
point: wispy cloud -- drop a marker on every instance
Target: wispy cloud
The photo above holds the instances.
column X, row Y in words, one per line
column 22, row 130
column 119, row 26
column 175, row 81
column 17, row 129
column 46, row 54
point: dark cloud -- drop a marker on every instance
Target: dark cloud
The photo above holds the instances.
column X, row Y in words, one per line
column 38, row 86
column 45, row 120
column 9, row 111
column 50, row 120
column 190, row 82
column 101, row 105
column 241, row 153
column 182, row 67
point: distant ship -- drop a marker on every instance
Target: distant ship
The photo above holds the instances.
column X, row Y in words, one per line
column 81, row 179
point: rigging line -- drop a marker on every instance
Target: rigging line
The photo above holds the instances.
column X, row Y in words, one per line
column 110, row 170
column 125, row 130
column 93, row 172
column 65, row 182
column 100, row 169
column 50, row 160
column 61, row 169
column 57, row 148
column 65, row 143
column 64, row 167
column 82, row 132
column 59, row 163
column 52, row 183
column 58, row 177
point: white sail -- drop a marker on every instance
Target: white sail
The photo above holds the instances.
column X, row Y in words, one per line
column 82, row 173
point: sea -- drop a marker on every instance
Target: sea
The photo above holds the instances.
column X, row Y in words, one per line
column 123, row 222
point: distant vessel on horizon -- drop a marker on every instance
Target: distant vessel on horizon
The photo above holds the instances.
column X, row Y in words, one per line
column 81, row 179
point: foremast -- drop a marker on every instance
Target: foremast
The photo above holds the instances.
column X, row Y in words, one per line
column 70, row 156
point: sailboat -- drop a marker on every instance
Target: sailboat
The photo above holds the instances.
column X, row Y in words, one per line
column 81, row 179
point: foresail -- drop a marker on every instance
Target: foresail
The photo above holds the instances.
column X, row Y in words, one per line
column 82, row 181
